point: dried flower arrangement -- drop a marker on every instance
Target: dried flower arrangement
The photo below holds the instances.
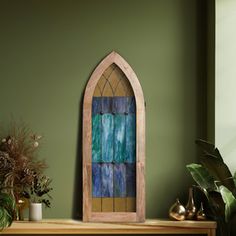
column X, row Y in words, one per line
column 21, row 172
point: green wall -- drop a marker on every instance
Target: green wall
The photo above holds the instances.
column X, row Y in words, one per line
column 48, row 50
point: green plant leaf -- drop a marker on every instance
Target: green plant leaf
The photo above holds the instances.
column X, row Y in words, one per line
column 209, row 149
column 229, row 200
column 234, row 178
column 220, row 171
column 217, row 204
column 202, row 176
column 212, row 160
column 7, row 209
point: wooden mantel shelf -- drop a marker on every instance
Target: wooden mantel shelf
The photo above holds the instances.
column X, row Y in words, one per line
column 154, row 226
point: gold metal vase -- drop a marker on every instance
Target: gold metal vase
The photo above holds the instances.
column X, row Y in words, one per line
column 191, row 209
column 177, row 211
column 201, row 214
column 21, row 205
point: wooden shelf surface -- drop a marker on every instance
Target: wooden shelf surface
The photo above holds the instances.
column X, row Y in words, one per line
column 154, row 226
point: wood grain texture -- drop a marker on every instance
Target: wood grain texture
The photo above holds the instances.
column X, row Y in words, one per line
column 155, row 226
column 139, row 215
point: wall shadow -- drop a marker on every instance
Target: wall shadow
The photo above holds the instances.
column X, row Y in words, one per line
column 201, row 70
column 77, row 210
column 206, row 70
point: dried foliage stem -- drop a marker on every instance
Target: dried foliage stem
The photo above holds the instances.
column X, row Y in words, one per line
column 18, row 159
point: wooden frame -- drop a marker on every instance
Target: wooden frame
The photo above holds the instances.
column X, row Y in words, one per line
column 139, row 215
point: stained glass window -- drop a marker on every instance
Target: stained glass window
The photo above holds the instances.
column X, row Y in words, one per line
column 113, row 143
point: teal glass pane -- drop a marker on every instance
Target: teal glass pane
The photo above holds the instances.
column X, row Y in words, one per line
column 130, row 138
column 96, row 138
column 107, row 137
column 119, row 138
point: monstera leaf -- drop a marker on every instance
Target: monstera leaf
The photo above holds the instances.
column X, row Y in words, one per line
column 202, row 176
column 212, row 160
column 7, row 210
column 229, row 200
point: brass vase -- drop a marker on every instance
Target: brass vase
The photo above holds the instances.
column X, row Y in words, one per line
column 190, row 207
column 21, row 205
column 201, row 214
column 177, row 211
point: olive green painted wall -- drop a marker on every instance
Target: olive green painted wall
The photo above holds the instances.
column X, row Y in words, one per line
column 48, row 50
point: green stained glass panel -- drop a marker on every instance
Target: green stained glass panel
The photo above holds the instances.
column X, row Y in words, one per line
column 96, row 138
column 119, row 138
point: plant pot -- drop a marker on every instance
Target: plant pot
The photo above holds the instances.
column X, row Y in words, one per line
column 35, row 211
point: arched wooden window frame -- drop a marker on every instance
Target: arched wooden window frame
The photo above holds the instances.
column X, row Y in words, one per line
column 88, row 215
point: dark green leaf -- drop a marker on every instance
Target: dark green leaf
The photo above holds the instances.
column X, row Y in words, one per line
column 220, row 171
column 209, row 149
column 234, row 177
column 7, row 209
column 217, row 204
column 229, row 200
column 201, row 176
column 212, row 160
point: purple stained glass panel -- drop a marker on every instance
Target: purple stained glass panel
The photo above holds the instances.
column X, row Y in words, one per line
column 119, row 180
column 96, row 180
column 107, row 180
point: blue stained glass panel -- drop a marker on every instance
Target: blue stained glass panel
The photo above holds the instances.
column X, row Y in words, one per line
column 107, row 137
column 120, row 104
column 131, row 104
column 96, row 180
column 113, row 104
column 96, row 105
column 119, row 180
column 96, row 138
column 106, row 106
column 107, row 180
column 119, row 138
column 131, row 179
column 124, row 104
column 131, row 138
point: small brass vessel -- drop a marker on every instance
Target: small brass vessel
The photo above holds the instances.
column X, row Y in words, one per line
column 191, row 209
column 21, row 204
column 201, row 214
column 177, row 211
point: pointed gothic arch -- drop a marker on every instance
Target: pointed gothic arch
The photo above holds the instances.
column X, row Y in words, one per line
column 113, row 82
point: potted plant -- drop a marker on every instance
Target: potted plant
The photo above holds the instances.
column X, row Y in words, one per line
column 19, row 163
column 215, row 180
column 7, row 210
column 38, row 194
